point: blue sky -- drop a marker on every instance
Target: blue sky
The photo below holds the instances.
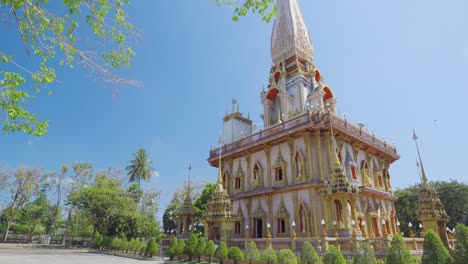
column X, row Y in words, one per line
column 393, row 65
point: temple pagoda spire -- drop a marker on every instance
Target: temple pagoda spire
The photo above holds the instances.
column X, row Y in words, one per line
column 431, row 210
column 186, row 213
column 423, row 173
column 290, row 36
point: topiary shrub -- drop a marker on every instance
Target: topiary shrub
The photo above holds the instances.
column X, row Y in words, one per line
column 180, row 248
column 308, row 254
column 209, row 250
column 107, row 243
column 116, row 243
column 364, row 255
column 201, row 245
column 399, row 252
column 434, row 251
column 172, row 250
column 269, row 256
column 221, row 252
column 190, row 247
column 98, row 241
column 333, row 256
column 152, row 247
column 235, row 254
column 286, row 256
column 252, row 253
column 142, row 245
column 124, row 243
column 460, row 255
column 132, row 245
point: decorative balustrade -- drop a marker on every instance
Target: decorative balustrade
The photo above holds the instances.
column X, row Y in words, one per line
column 313, row 120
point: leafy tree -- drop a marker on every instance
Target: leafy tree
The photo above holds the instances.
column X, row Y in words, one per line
column 209, row 250
column 308, row 254
column 434, row 251
column 4, row 177
column 252, row 253
column 202, row 201
column 172, row 250
column 269, row 256
column 460, row 254
column 235, row 254
column 399, row 252
column 35, row 215
column 180, row 248
column 51, row 34
column 152, row 247
column 221, row 252
column 168, row 218
column 201, row 245
column 365, row 255
column 25, row 184
column 110, row 210
column 333, row 256
column 56, row 183
column 266, row 8
column 140, row 168
column 191, row 246
column 286, row 256
column 453, row 195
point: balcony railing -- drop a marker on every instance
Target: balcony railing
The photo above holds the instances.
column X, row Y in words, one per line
column 312, row 120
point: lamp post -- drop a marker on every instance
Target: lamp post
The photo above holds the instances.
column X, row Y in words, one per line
column 410, row 226
column 294, row 230
column 398, row 227
column 293, row 242
column 246, row 236
column 422, row 231
column 268, row 231
column 335, row 232
column 383, row 228
column 324, row 233
column 268, row 236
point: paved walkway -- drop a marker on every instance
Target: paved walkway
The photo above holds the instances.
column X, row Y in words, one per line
column 65, row 256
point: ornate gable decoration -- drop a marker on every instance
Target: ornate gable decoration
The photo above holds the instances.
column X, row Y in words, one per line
column 282, row 212
column 290, row 35
column 259, row 212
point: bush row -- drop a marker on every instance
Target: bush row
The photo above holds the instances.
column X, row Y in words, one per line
column 139, row 246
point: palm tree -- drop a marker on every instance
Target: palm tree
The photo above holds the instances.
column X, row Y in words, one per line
column 140, row 167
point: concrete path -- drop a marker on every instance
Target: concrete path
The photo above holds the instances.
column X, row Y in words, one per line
column 62, row 256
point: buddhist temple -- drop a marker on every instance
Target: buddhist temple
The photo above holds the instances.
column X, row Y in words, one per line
column 308, row 172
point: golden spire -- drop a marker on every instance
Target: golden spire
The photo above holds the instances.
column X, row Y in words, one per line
column 220, row 177
column 423, row 173
column 188, row 184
